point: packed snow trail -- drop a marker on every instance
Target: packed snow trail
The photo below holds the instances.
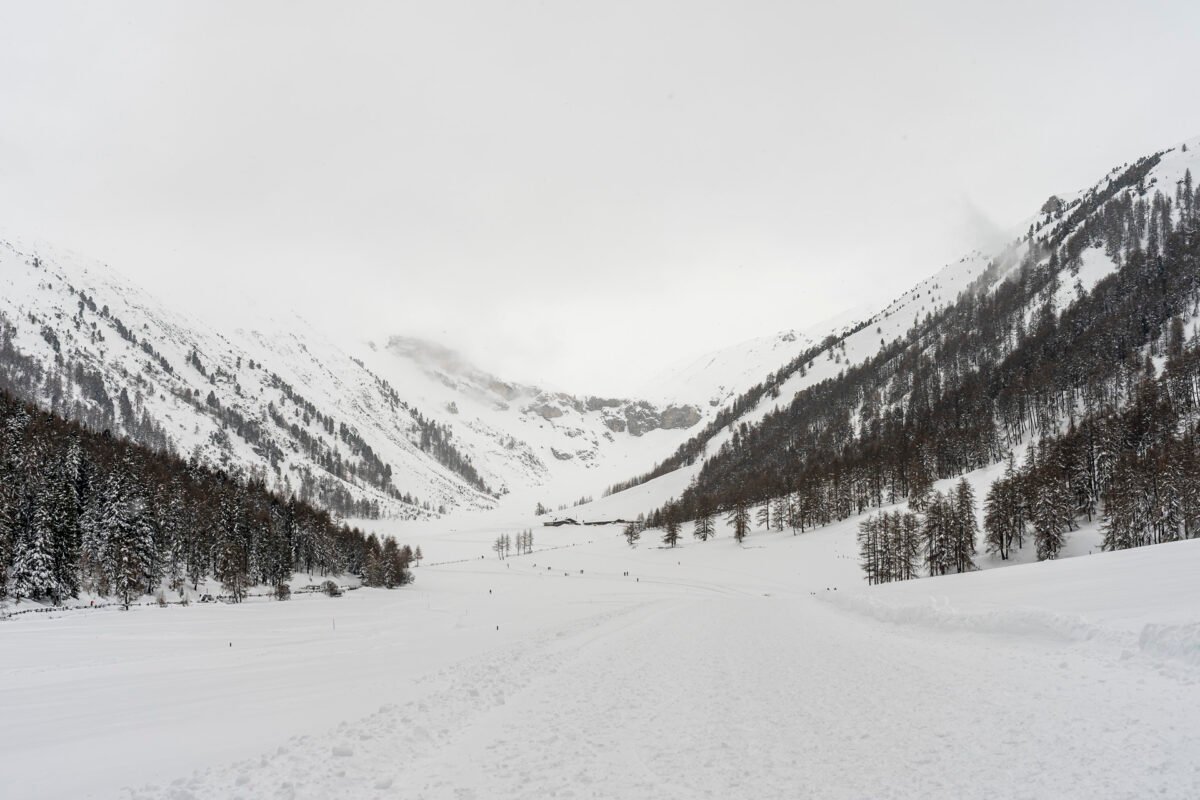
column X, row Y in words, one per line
column 707, row 671
column 756, row 698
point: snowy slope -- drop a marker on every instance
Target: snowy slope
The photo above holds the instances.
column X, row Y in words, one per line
column 525, row 445
column 587, row 668
column 532, row 445
column 709, row 376
column 715, row 378
column 591, row 669
column 225, row 398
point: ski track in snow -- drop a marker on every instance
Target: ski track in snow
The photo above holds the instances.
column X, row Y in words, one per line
column 679, row 686
column 686, row 702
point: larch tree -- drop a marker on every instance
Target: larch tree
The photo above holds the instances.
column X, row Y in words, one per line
column 671, row 527
column 703, row 528
column 779, row 511
column 966, row 527
column 739, row 518
column 763, row 516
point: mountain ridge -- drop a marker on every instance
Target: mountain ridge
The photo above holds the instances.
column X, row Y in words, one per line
column 409, row 427
column 280, row 400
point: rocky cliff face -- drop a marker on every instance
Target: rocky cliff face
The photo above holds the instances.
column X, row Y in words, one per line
column 637, row 418
column 520, row 435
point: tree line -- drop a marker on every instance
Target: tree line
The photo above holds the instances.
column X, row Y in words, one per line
column 70, row 387
column 82, row 511
column 503, row 545
column 1108, row 382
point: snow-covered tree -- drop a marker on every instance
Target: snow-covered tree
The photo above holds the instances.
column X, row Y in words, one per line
column 231, row 555
column 33, row 550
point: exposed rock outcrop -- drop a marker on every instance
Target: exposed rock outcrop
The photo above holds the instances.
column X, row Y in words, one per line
column 680, row 417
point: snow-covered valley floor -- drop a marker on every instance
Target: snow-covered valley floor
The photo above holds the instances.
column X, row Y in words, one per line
column 768, row 671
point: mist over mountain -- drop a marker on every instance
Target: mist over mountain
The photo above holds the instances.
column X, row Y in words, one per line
column 407, row 426
column 937, row 546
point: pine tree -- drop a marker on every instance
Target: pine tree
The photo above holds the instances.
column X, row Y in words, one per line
column 373, row 563
column 795, row 516
column 633, row 532
column 763, row 516
column 703, row 527
column 909, row 527
column 1047, row 521
column 870, row 549
column 779, row 510
column 7, row 527
column 231, row 559
column 1124, row 507
column 33, row 553
column 86, row 510
column 395, row 563
column 13, row 478
column 966, row 526
column 671, row 527
column 739, row 518
column 920, row 484
column 126, row 536
column 274, row 553
column 997, row 520
column 937, row 534
column 66, row 491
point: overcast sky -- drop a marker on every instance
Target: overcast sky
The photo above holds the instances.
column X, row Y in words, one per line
column 578, row 193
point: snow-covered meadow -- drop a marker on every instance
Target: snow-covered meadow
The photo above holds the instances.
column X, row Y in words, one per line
column 589, row 669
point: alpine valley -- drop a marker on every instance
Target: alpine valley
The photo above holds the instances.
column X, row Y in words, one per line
column 677, row 594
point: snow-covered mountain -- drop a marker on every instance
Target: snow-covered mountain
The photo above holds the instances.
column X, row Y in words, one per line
column 407, row 427
column 402, row 428
column 717, row 377
column 776, row 369
column 538, row 445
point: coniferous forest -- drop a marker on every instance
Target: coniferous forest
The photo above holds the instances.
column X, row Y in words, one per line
column 73, row 387
column 1102, row 391
column 82, row 511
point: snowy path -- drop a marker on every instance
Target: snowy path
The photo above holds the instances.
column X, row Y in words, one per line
column 754, row 698
column 682, row 685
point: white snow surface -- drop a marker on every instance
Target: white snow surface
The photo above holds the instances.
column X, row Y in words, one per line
column 526, row 444
column 748, row 363
column 590, row 669
column 718, row 377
